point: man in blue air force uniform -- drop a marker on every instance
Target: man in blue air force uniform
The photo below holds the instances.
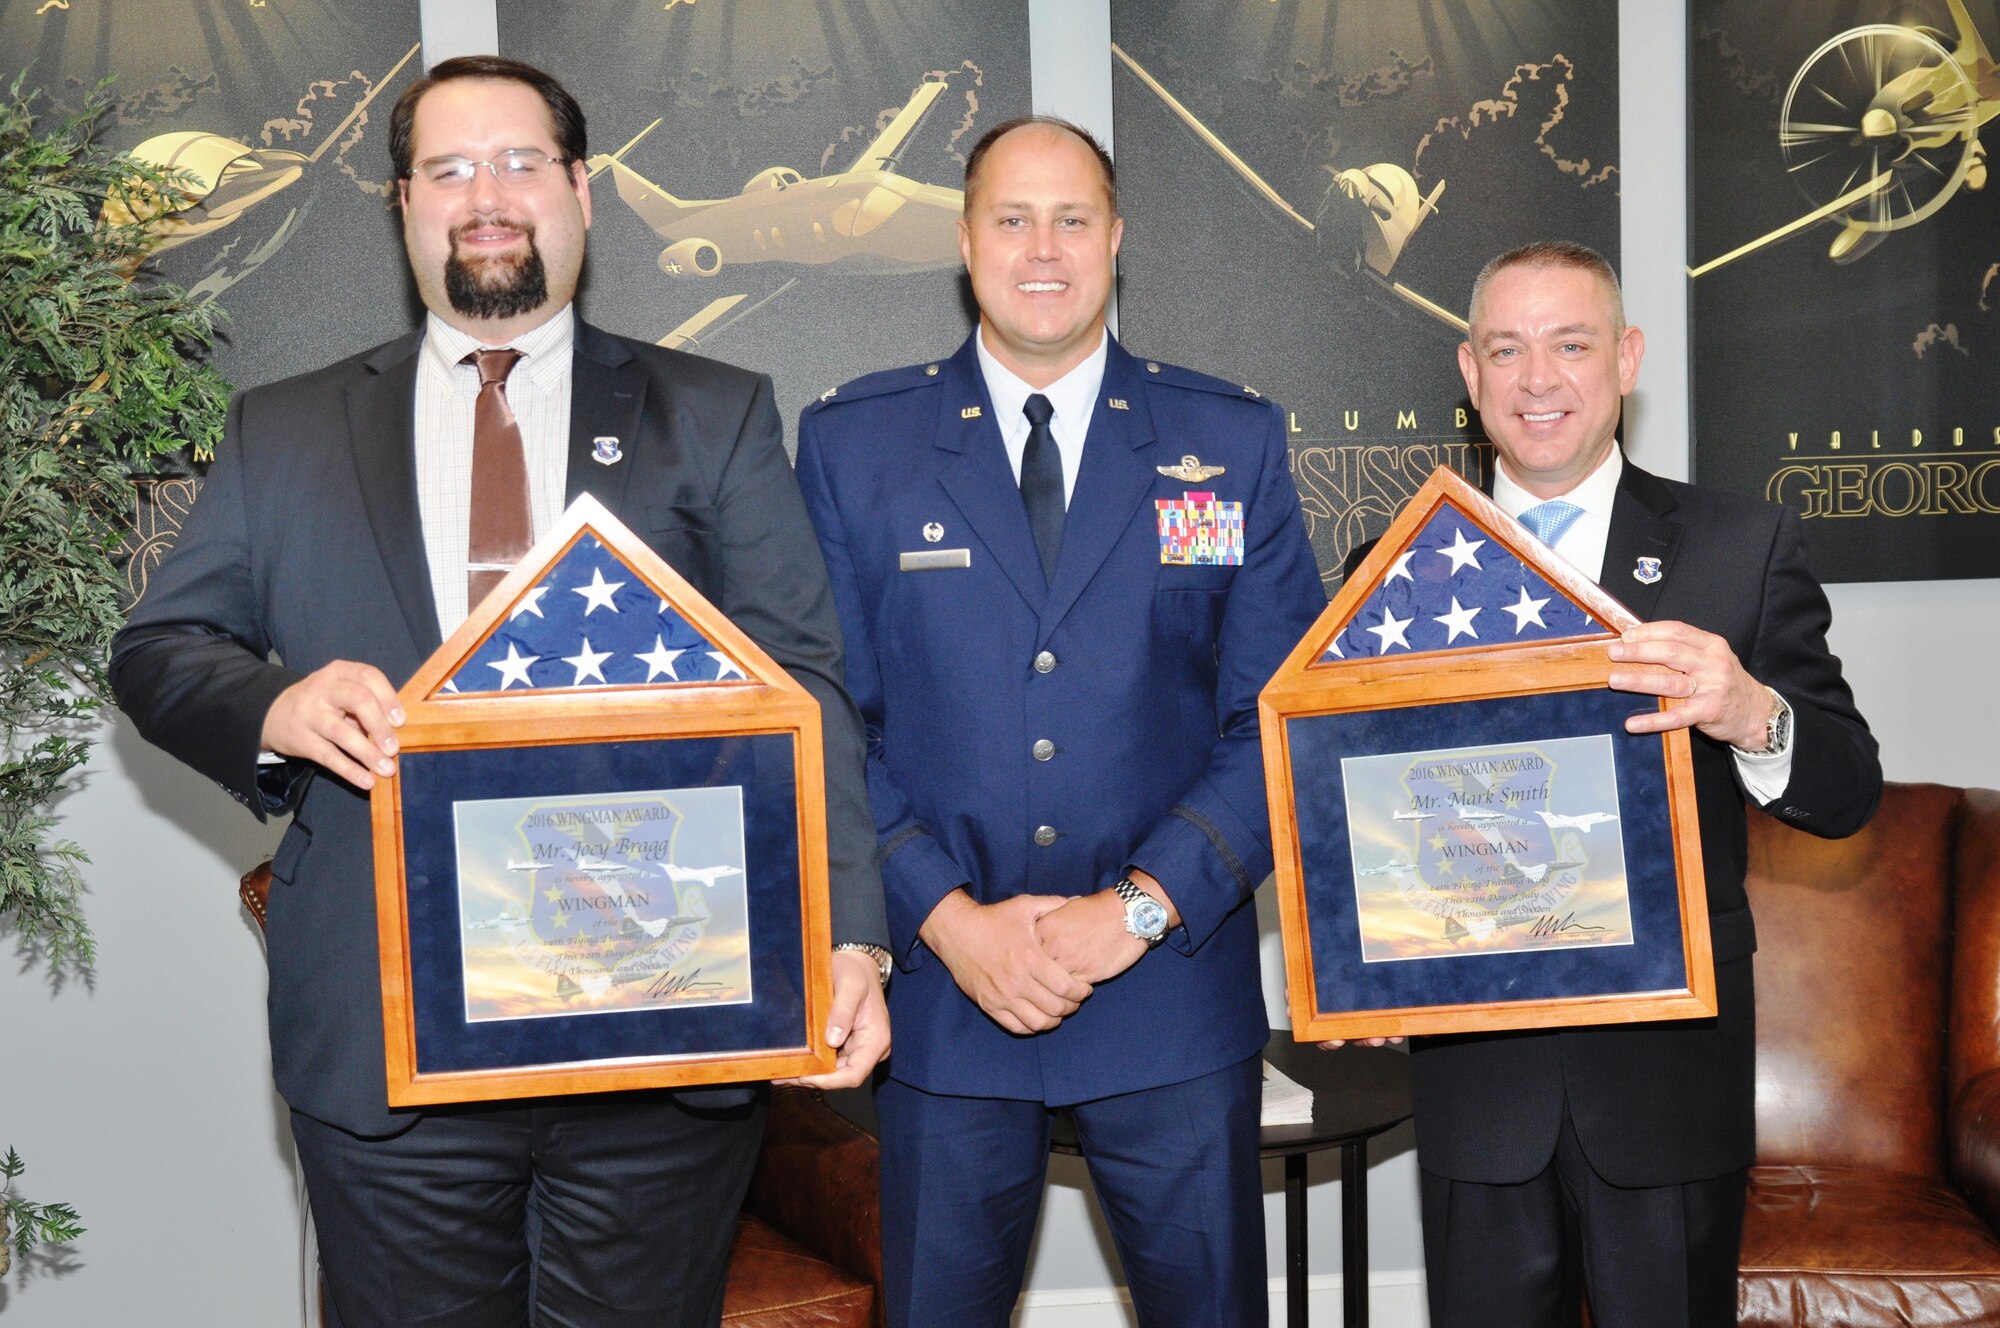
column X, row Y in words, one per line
column 1063, row 574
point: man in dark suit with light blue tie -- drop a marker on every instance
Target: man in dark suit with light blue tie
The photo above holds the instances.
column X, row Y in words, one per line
column 1063, row 574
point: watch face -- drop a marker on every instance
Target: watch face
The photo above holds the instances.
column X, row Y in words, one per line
column 1148, row 918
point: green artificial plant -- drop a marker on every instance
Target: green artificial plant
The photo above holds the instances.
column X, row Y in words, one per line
column 101, row 375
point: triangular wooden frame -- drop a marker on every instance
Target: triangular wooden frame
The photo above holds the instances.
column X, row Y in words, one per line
column 1306, row 685
column 766, row 700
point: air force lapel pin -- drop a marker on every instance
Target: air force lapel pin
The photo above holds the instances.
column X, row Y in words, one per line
column 933, row 531
column 604, row 450
column 1647, row 571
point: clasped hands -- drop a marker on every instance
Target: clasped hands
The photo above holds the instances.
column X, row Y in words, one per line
column 1031, row 961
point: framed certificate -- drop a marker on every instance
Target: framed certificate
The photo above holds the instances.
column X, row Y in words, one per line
column 601, row 863
column 1466, row 837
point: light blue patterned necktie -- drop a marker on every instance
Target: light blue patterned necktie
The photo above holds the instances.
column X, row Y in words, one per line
column 1550, row 520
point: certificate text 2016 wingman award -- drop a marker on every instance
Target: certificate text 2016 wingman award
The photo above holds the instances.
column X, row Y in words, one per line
column 601, row 863
column 1466, row 837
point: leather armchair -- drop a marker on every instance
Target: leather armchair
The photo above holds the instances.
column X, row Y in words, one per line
column 1876, row 1194
column 808, row 1248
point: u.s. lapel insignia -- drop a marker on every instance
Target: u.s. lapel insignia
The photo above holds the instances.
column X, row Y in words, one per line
column 605, row 451
column 1647, row 572
column 933, row 532
column 1118, row 403
column 1191, row 471
column 970, row 412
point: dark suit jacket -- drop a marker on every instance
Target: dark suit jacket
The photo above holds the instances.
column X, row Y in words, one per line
column 306, row 543
column 1668, row 1103
column 1144, row 677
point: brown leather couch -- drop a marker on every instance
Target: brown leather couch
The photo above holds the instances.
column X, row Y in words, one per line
column 1876, row 1194
column 808, row 1249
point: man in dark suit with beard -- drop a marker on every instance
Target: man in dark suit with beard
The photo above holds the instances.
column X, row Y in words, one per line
column 352, row 517
column 1614, row 1158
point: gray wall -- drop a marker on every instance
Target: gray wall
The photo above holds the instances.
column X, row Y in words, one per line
column 145, row 1100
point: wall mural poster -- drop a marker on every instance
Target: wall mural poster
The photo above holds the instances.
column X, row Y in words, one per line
column 279, row 109
column 1310, row 189
column 778, row 185
column 1845, row 264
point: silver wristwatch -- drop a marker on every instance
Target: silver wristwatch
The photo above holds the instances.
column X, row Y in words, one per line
column 884, row 963
column 1145, row 916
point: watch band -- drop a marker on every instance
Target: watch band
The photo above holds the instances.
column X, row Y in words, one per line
column 885, row 964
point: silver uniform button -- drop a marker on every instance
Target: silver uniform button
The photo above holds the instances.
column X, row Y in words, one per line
column 1045, row 835
column 1045, row 663
column 1043, row 749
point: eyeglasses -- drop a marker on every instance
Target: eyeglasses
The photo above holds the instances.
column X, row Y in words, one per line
column 516, row 168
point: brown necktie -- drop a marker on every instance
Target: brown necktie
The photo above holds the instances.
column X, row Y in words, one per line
column 503, row 523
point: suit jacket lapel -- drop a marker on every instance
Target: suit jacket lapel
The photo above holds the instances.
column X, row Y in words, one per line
column 981, row 481
column 607, row 396
column 1642, row 526
column 1116, row 475
column 381, row 415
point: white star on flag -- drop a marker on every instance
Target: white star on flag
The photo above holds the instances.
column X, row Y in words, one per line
column 597, row 595
column 588, row 663
column 661, row 660
column 1462, row 554
column 1459, row 621
column 724, row 666
column 1401, row 567
column 1525, row 611
column 514, row 668
column 530, row 603
column 1390, row 632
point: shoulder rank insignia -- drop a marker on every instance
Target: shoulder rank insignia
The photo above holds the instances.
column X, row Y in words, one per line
column 1253, row 392
column 1191, row 471
column 828, row 394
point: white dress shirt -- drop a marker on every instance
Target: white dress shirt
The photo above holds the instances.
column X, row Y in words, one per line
column 1763, row 774
column 538, row 389
column 1074, row 396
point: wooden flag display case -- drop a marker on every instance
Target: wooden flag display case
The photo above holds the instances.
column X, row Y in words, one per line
column 601, row 863
column 1466, row 836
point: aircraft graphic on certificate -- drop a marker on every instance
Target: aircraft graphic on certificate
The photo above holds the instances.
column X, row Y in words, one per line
column 601, row 903
column 1487, row 850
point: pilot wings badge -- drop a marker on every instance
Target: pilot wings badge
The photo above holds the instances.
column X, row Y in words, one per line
column 1191, row 471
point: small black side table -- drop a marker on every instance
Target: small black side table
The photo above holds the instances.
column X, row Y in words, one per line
column 1358, row 1093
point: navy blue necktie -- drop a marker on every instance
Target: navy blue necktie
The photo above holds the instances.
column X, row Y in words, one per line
column 1042, row 482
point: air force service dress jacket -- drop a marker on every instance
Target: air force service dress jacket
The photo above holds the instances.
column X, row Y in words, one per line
column 306, row 542
column 1032, row 736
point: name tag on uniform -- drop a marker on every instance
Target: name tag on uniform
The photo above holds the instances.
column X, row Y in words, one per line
column 935, row 560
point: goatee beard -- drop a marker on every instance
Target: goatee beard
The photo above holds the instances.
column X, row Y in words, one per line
column 496, row 287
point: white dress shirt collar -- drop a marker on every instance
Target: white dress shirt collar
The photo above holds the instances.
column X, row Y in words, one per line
column 1582, row 545
column 545, row 349
column 1074, row 397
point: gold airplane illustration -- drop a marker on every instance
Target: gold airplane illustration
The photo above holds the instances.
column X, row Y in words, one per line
column 1880, row 128
column 1393, row 204
column 870, row 218
column 220, row 179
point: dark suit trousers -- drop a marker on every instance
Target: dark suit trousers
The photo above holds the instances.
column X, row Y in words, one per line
column 1520, row 1256
column 616, row 1209
column 1176, row 1172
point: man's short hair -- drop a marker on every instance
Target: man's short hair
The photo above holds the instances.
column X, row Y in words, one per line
column 565, row 116
column 1554, row 253
column 1006, row 127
